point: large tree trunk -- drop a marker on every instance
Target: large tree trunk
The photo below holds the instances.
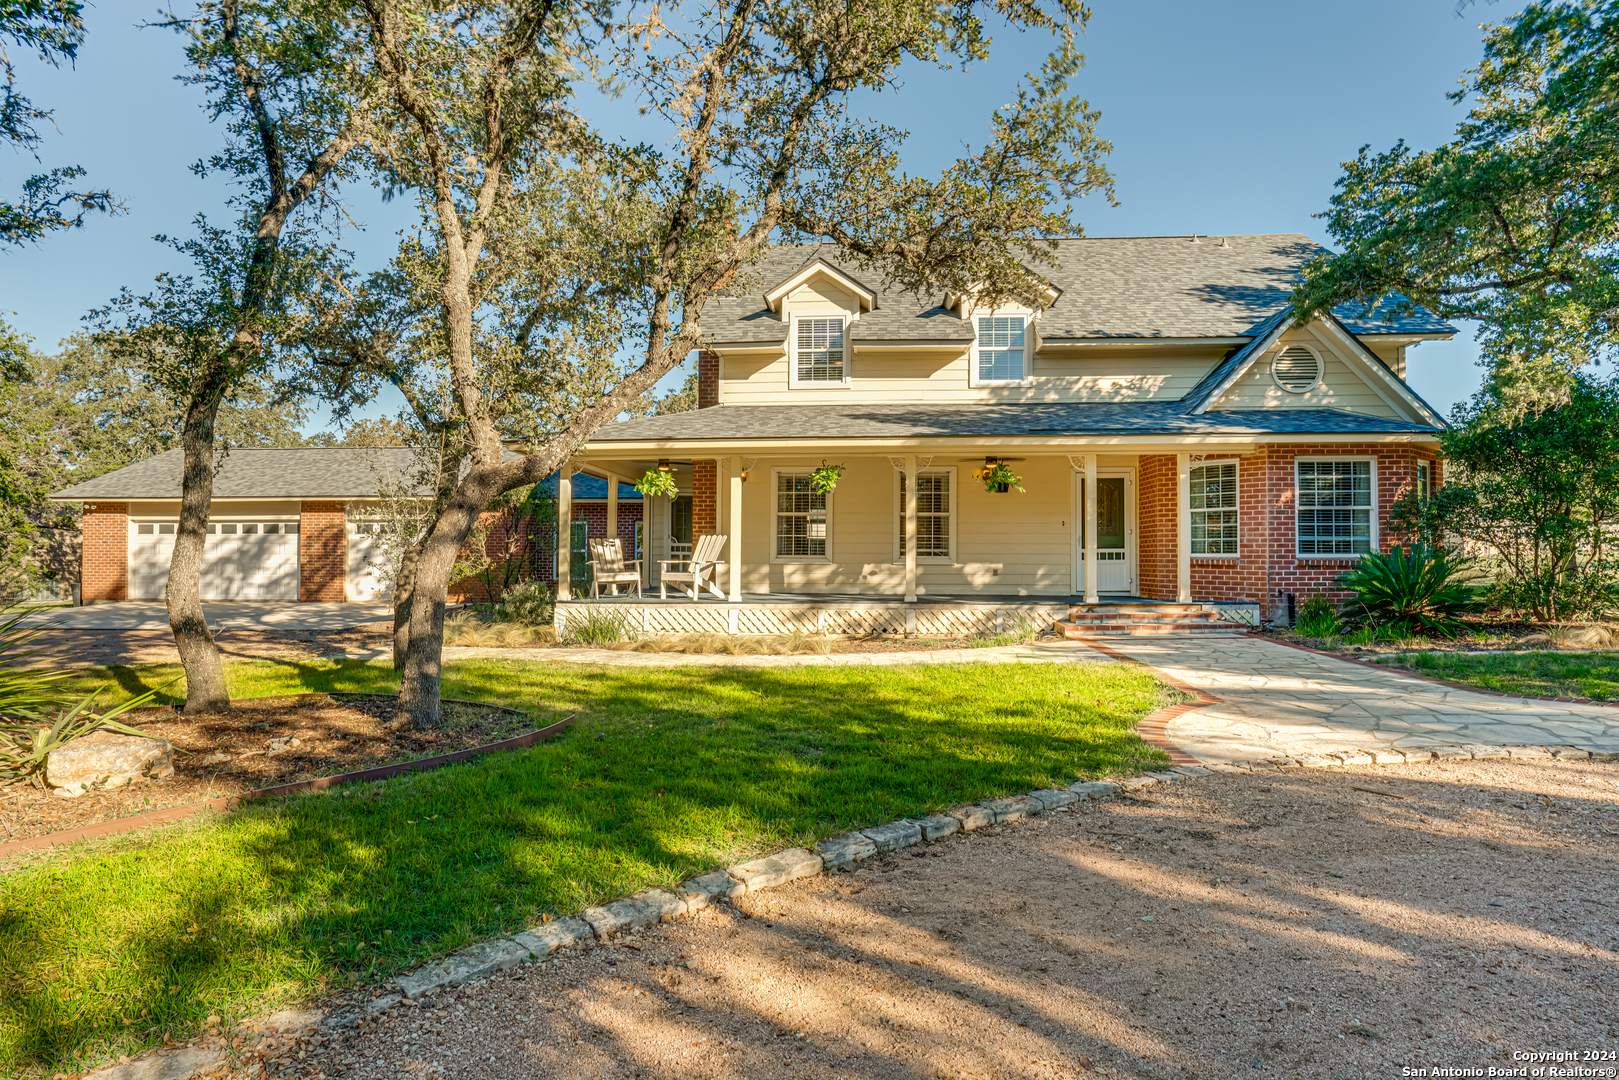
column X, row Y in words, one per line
column 404, row 592
column 419, row 686
column 205, row 672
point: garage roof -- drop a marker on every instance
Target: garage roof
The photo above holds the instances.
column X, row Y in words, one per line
column 304, row 472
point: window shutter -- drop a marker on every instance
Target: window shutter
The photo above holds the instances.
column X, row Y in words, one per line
column 1296, row 369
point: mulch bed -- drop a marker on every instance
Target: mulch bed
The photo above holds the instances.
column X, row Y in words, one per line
column 249, row 748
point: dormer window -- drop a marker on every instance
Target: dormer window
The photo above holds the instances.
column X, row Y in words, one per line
column 819, row 354
column 1001, row 355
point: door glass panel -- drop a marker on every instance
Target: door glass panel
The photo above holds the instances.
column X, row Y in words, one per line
column 1109, row 512
column 579, row 569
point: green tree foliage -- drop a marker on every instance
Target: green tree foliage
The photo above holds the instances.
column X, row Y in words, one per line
column 1538, row 493
column 53, row 29
column 1513, row 222
column 543, row 240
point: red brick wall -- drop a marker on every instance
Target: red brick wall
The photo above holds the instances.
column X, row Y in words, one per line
column 322, row 549
column 708, row 379
column 104, row 555
column 1155, row 526
column 705, row 507
column 1267, row 567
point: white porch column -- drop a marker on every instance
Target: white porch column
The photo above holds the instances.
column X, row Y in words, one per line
column 1091, row 596
column 734, row 508
column 565, row 533
column 1183, row 528
column 910, row 528
column 612, row 510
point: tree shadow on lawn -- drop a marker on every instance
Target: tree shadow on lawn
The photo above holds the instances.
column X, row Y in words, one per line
column 662, row 778
column 1194, row 933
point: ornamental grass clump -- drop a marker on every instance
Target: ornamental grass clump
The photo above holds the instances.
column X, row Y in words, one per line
column 1419, row 588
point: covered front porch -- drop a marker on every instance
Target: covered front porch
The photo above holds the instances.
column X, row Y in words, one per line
column 908, row 528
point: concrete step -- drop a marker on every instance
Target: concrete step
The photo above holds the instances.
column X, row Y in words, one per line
column 1142, row 615
column 1160, row 628
column 1142, row 609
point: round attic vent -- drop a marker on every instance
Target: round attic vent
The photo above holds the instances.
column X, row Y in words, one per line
column 1296, row 369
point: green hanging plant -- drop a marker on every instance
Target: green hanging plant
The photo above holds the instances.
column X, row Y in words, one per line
column 824, row 479
column 657, row 482
column 997, row 476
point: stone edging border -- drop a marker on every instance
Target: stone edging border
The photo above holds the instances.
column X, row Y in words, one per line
column 1386, row 669
column 1153, row 728
column 653, row 906
column 226, row 803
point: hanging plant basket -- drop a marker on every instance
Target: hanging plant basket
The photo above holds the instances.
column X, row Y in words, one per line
column 657, row 482
column 824, row 479
column 998, row 477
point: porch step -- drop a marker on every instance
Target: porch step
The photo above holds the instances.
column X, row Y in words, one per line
column 1146, row 628
column 1142, row 610
column 1142, row 614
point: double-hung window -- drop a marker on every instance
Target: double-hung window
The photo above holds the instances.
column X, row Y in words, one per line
column 1002, row 356
column 819, row 354
column 1335, row 507
column 801, row 518
column 934, row 529
column 1424, row 481
column 1214, row 509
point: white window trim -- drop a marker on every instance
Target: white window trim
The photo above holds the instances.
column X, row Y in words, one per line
column 1028, row 348
column 800, row 560
column 793, row 381
column 1374, row 542
column 1221, row 555
column 1320, row 368
column 899, row 521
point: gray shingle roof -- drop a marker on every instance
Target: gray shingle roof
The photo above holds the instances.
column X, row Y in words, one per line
column 339, row 472
column 1124, row 287
column 820, row 422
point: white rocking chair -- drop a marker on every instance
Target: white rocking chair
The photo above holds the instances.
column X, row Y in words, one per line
column 698, row 570
column 607, row 562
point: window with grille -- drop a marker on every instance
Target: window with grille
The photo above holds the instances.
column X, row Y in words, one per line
column 1334, row 507
column 1214, row 509
column 1000, row 348
column 820, row 351
column 932, row 515
column 1424, row 484
column 800, row 518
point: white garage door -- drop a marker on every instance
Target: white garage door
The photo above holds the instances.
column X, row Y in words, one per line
column 367, row 578
column 242, row 560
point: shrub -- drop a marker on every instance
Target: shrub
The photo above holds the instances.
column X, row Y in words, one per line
column 597, row 626
column 1409, row 589
column 531, row 603
column 1317, row 618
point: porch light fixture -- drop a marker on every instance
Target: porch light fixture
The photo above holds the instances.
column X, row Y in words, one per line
column 663, row 465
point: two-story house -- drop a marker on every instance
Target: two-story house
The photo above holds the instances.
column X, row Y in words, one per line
column 1178, row 437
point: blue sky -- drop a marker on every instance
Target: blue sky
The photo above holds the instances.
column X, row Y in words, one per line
column 1224, row 118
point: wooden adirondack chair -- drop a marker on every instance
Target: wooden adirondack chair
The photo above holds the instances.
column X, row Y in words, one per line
column 607, row 560
column 700, row 568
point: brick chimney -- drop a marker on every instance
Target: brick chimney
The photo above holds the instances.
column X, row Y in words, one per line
column 708, row 379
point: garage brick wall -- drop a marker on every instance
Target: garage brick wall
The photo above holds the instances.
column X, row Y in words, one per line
column 322, row 552
column 104, row 557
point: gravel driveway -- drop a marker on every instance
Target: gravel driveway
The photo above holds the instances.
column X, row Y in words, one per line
column 1312, row 923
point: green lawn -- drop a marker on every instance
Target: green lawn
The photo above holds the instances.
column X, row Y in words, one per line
column 669, row 772
column 1546, row 674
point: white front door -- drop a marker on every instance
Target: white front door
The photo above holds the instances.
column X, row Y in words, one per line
column 1115, row 531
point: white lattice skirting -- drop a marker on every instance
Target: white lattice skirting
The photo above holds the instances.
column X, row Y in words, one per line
column 847, row 620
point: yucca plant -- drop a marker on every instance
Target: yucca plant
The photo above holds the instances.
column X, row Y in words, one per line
column 1410, row 589
column 30, row 724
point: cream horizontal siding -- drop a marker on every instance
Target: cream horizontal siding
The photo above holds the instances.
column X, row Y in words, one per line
column 1341, row 387
column 1013, row 544
column 937, row 376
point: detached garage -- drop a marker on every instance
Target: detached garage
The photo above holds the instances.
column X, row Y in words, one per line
column 279, row 529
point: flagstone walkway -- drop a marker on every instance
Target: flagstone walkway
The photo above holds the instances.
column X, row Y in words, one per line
column 1277, row 701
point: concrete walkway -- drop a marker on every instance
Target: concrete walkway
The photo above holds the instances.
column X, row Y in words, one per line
column 1283, row 702
column 221, row 615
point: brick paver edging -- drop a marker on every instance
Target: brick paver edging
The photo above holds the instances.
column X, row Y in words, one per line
column 226, row 803
column 1154, row 727
column 1445, row 682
